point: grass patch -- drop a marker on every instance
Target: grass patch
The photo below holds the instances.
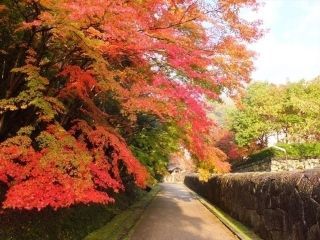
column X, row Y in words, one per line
column 120, row 226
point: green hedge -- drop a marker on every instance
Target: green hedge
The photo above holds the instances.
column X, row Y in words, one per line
column 300, row 151
column 293, row 151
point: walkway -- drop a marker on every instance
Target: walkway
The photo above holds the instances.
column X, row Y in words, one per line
column 175, row 214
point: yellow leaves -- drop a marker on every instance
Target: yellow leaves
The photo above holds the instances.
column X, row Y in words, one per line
column 204, row 174
column 20, row 141
column 55, row 104
column 36, row 82
column 47, row 107
column 11, row 105
column 27, row 130
column 94, row 32
column 4, row 109
column 24, row 106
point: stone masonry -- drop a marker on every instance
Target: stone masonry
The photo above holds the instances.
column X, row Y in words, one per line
column 277, row 206
column 276, row 165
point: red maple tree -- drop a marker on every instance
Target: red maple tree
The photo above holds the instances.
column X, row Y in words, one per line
column 65, row 62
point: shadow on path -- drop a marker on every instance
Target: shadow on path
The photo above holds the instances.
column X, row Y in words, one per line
column 176, row 215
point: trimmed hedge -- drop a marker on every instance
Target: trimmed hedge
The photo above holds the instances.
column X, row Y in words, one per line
column 293, row 151
column 300, row 151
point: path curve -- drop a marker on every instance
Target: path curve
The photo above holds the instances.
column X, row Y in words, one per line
column 175, row 214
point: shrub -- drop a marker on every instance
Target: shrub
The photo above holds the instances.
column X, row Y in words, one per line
column 293, row 151
column 301, row 150
column 71, row 223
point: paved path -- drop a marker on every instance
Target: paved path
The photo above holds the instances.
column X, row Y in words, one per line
column 175, row 214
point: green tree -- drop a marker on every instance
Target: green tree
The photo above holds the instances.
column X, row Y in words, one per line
column 300, row 109
column 288, row 111
column 256, row 117
column 153, row 143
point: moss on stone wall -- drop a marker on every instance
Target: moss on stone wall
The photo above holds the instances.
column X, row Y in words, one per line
column 292, row 151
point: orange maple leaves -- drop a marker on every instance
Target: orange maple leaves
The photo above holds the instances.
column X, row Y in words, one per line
column 157, row 57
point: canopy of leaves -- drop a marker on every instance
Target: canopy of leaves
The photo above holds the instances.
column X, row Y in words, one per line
column 76, row 75
column 289, row 112
column 154, row 143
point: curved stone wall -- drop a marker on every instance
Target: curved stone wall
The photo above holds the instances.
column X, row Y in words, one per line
column 283, row 205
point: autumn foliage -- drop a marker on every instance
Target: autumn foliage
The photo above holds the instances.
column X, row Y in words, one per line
column 77, row 74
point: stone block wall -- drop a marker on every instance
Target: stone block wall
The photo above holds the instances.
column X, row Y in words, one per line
column 258, row 166
column 277, row 206
column 276, row 165
column 293, row 164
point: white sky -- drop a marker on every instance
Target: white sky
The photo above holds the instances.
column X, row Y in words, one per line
column 290, row 50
